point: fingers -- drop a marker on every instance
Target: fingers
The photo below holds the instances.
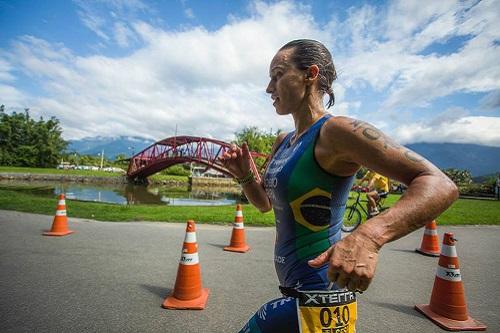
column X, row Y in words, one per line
column 225, row 157
column 233, row 153
column 342, row 280
column 352, row 282
column 351, row 264
column 233, row 160
column 245, row 151
column 363, row 284
column 322, row 259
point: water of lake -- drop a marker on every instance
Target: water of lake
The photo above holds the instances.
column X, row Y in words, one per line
column 127, row 194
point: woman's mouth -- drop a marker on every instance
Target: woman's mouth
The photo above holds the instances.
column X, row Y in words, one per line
column 275, row 101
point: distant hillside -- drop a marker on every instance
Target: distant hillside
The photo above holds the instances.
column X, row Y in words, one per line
column 479, row 160
column 112, row 146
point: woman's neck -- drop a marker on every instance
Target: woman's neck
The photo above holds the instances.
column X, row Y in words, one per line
column 307, row 116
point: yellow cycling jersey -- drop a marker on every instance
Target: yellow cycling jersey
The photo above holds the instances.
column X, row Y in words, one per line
column 381, row 183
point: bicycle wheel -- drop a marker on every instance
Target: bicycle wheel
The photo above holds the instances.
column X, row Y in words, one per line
column 351, row 220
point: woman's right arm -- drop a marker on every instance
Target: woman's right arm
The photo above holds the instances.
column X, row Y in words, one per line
column 237, row 161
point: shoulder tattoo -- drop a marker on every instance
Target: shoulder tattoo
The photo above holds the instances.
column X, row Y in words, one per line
column 373, row 134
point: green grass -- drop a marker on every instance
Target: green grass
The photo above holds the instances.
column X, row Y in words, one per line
column 59, row 172
column 462, row 212
column 469, row 211
column 157, row 178
column 27, row 200
column 41, row 201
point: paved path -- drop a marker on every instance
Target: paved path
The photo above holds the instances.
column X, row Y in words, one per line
column 113, row 277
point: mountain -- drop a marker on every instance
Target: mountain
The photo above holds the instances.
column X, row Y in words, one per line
column 112, row 146
column 479, row 160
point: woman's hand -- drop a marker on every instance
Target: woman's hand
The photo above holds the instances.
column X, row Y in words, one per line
column 237, row 160
column 352, row 262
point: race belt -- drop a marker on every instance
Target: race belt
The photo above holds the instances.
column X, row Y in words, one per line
column 325, row 311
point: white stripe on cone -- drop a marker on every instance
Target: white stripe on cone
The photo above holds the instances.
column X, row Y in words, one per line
column 431, row 232
column 449, row 274
column 239, row 213
column 449, row 251
column 61, row 212
column 238, row 225
column 189, row 259
column 190, row 237
column 61, row 202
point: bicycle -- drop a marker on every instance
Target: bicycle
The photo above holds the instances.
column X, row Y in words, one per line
column 352, row 215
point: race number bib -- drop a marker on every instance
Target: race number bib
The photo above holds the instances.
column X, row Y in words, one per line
column 329, row 311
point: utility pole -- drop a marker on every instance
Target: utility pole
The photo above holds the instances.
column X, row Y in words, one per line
column 102, row 158
column 175, row 138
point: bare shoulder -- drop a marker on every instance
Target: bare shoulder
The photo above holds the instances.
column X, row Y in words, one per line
column 349, row 134
column 356, row 142
column 279, row 140
column 339, row 127
column 338, row 136
column 281, row 137
column 333, row 148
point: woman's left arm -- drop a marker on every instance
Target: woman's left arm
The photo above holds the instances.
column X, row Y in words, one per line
column 343, row 146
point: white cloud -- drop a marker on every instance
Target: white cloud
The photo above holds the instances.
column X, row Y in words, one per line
column 12, row 97
column 407, row 17
column 5, row 69
column 383, row 51
column 92, row 20
column 478, row 130
column 491, row 102
column 99, row 16
column 212, row 83
column 123, row 34
column 208, row 83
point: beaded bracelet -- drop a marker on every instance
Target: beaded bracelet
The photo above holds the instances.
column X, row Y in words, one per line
column 247, row 179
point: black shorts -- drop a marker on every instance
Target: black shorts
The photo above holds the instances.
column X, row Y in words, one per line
column 382, row 194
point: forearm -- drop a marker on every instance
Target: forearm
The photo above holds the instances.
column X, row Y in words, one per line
column 255, row 193
column 427, row 196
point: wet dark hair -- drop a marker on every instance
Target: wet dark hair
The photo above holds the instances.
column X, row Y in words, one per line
column 307, row 52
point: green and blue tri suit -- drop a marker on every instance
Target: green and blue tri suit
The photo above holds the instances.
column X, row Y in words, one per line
column 308, row 204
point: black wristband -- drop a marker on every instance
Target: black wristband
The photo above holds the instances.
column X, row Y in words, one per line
column 247, row 179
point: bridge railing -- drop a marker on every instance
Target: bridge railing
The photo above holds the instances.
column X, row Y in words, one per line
column 175, row 150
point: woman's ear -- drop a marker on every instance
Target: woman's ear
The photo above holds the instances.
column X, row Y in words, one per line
column 312, row 73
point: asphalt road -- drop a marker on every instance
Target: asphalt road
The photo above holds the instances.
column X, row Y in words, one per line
column 113, row 277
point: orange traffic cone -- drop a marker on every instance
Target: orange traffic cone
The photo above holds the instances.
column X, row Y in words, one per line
column 447, row 307
column 430, row 241
column 188, row 293
column 238, row 235
column 60, row 224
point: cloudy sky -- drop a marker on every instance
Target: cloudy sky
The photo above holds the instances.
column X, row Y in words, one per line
column 421, row 70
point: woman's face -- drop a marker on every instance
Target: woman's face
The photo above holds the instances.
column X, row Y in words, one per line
column 287, row 85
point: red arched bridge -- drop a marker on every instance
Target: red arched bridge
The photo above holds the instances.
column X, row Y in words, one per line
column 181, row 149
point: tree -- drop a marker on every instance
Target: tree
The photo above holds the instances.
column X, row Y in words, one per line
column 257, row 140
column 30, row 143
column 458, row 176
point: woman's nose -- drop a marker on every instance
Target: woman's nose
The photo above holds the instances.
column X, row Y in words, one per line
column 270, row 88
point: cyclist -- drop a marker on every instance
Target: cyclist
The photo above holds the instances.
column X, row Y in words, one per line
column 378, row 187
column 307, row 184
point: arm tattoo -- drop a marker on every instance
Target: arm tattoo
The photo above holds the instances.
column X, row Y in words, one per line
column 413, row 156
column 356, row 123
column 373, row 134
